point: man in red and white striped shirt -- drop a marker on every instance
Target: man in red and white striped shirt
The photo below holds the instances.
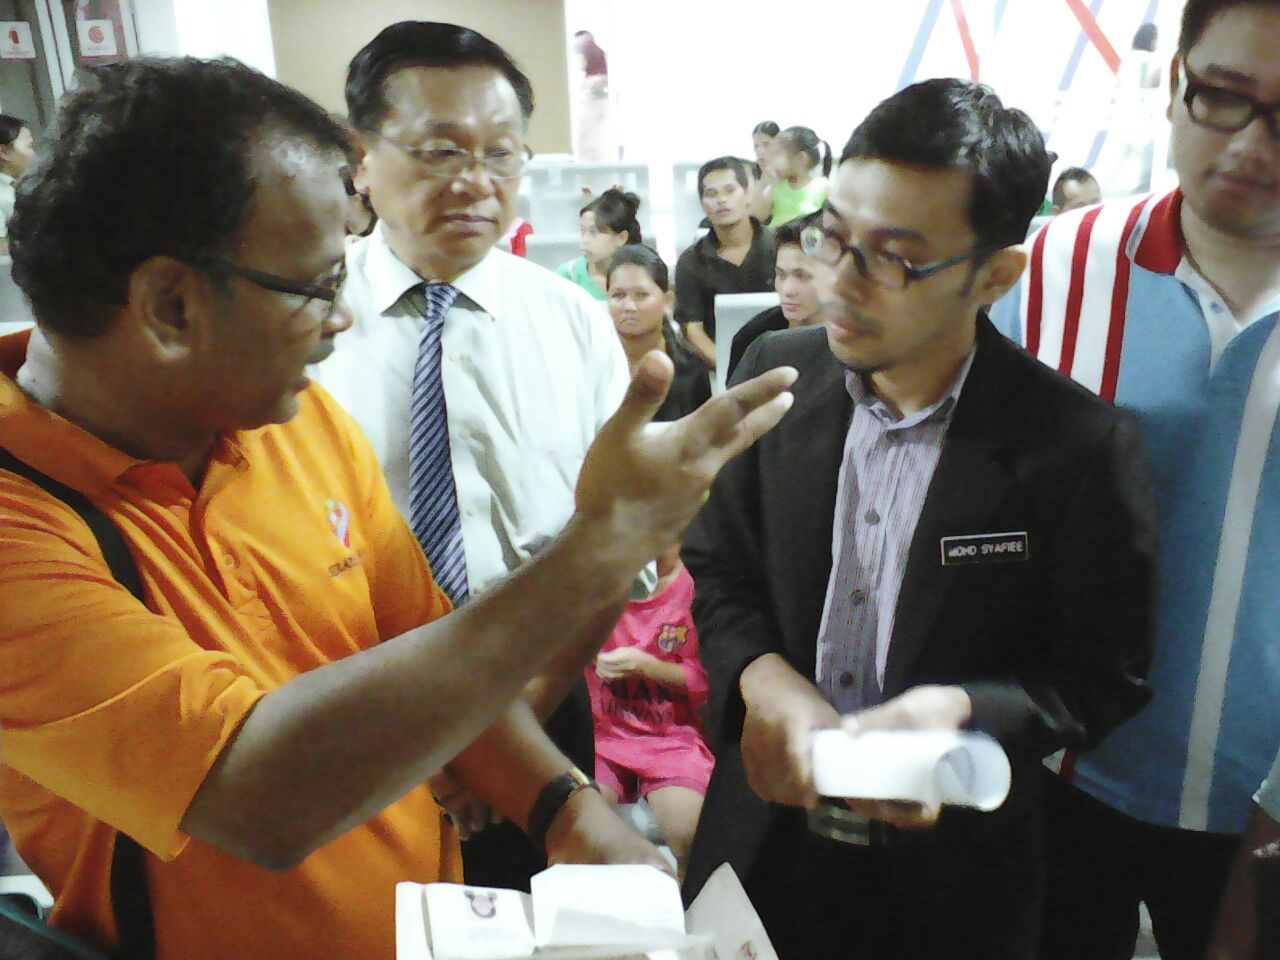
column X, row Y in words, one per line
column 1170, row 307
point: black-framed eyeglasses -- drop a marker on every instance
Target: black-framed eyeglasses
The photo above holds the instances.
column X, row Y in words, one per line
column 504, row 163
column 885, row 269
column 328, row 289
column 1224, row 110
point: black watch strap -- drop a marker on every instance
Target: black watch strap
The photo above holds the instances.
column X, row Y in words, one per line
column 551, row 798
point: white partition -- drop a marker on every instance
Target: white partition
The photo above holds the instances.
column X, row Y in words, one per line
column 551, row 249
column 733, row 310
column 686, row 207
column 555, row 191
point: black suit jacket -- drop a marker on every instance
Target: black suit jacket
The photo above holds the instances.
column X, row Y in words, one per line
column 1051, row 649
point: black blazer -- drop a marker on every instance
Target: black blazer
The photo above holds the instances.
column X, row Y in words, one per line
column 1052, row 649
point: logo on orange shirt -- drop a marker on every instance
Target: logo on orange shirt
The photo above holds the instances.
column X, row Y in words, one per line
column 672, row 636
column 339, row 518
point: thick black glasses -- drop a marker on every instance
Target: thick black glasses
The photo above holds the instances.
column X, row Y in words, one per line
column 1227, row 111
column 885, row 269
column 327, row 289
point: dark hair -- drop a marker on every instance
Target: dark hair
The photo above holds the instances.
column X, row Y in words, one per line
column 767, row 127
column 597, row 64
column 1146, row 37
column 1197, row 14
column 803, row 140
column 736, row 166
column 637, row 254
column 955, row 123
column 10, row 127
column 790, row 231
column 1069, row 175
column 151, row 157
column 616, row 212
column 422, row 43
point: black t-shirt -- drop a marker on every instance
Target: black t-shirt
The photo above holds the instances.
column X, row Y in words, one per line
column 763, row 322
column 691, row 387
column 701, row 273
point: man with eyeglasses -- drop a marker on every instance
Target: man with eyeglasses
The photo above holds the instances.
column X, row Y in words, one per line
column 479, row 377
column 1169, row 306
column 226, row 669
column 942, row 534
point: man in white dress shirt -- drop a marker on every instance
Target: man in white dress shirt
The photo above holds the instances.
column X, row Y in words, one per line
column 529, row 365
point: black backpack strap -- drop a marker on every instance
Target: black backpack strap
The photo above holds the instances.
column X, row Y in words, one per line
column 110, row 541
column 130, row 900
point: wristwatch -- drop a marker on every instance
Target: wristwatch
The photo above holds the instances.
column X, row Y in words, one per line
column 551, row 798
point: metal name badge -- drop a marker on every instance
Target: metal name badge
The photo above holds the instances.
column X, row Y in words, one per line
column 1007, row 547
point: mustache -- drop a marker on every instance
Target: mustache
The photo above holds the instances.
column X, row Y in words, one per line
column 1261, row 177
column 839, row 312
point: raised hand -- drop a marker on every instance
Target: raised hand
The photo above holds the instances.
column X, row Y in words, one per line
column 646, row 481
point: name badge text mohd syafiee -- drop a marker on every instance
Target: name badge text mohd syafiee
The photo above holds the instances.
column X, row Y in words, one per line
column 985, row 548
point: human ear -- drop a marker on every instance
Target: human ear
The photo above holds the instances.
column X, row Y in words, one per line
column 1001, row 271
column 161, row 296
column 1175, row 78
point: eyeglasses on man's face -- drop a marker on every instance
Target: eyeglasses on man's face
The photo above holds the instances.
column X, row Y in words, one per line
column 1225, row 110
column 501, row 163
column 326, row 288
column 881, row 267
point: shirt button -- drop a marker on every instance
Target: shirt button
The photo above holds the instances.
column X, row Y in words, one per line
column 846, row 679
column 229, row 560
column 463, row 435
column 858, row 597
column 471, row 511
column 1215, row 306
column 872, row 517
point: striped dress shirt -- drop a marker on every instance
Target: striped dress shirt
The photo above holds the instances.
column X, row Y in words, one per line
column 888, row 464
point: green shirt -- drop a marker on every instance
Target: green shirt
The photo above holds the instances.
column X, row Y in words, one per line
column 789, row 203
column 576, row 270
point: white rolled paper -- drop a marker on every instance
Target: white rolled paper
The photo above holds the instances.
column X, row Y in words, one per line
column 925, row 766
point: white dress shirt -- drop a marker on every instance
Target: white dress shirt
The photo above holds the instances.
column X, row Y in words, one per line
column 8, row 194
column 531, row 368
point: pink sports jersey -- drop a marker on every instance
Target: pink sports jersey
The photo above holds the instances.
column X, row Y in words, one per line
column 636, row 719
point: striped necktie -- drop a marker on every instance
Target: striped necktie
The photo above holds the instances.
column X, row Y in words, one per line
column 433, row 498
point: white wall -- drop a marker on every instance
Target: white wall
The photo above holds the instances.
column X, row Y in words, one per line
column 207, row 28
column 690, row 80
column 157, row 27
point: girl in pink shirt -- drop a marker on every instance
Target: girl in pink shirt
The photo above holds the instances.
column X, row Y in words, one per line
column 646, row 686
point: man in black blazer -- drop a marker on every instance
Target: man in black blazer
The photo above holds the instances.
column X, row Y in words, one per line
column 994, row 560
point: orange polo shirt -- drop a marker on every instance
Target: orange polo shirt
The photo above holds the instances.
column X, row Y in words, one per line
column 290, row 556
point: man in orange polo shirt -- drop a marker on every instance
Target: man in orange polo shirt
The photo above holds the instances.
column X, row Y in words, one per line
column 263, row 726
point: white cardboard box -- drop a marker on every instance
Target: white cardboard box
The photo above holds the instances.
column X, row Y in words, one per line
column 581, row 913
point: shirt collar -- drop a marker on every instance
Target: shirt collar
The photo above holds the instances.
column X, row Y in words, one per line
column 390, row 277
column 72, row 455
column 1159, row 248
column 53, row 445
column 7, row 180
column 859, row 389
column 710, row 243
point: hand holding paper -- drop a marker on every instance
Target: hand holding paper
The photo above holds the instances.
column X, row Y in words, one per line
column 925, row 767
